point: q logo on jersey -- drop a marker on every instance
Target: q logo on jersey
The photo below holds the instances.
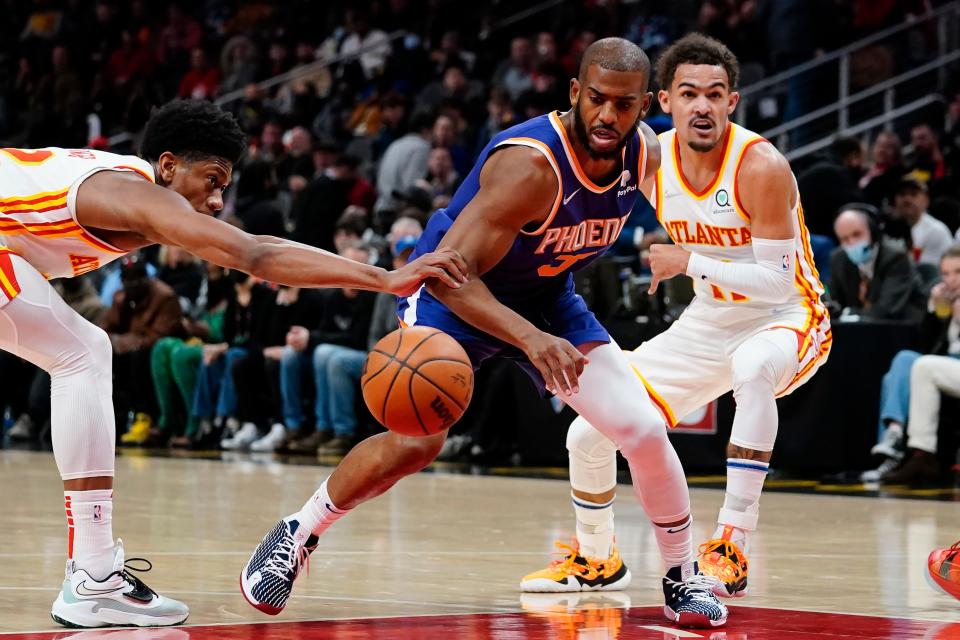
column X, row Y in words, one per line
column 722, row 198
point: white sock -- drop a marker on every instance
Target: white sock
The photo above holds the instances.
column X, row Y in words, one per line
column 90, row 530
column 676, row 543
column 319, row 512
column 594, row 527
column 741, row 507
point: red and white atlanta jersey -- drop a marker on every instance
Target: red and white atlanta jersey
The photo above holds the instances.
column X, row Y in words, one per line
column 38, row 192
column 713, row 223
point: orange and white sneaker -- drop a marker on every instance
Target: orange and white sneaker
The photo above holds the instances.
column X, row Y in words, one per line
column 574, row 572
column 943, row 570
column 723, row 559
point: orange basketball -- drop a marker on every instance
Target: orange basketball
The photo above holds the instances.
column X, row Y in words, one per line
column 417, row 381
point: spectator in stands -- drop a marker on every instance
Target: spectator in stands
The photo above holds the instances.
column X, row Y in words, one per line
column 446, row 134
column 335, row 350
column 143, row 311
column 451, row 53
column 174, row 361
column 442, row 179
column 393, row 119
column 298, row 159
column 257, row 206
column 929, row 163
column 359, row 191
column 202, row 81
column 349, row 230
column 930, row 237
column 404, row 162
column 515, row 73
column 500, row 116
column 453, row 85
column 374, row 43
column 183, row 273
column 911, row 388
column 830, row 183
column 880, row 182
column 870, row 276
column 180, row 35
column 239, row 61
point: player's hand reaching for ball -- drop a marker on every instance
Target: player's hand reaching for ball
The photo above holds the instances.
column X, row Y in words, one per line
column 666, row 261
column 558, row 361
column 445, row 265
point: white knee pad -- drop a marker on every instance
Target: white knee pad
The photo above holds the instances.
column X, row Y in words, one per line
column 761, row 365
column 593, row 458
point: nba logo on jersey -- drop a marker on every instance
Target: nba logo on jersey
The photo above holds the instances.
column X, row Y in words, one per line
column 97, row 513
column 785, row 263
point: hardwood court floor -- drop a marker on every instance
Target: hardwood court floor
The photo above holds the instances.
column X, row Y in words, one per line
column 444, row 546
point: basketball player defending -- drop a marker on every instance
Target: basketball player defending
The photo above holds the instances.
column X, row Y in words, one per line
column 545, row 198
column 757, row 326
column 69, row 211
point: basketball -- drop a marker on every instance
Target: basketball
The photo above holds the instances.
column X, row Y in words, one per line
column 417, row 381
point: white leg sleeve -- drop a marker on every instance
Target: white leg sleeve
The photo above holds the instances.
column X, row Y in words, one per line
column 613, row 399
column 40, row 327
column 761, row 365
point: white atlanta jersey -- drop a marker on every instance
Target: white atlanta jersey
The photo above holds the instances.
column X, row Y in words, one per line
column 690, row 364
column 38, row 193
column 713, row 223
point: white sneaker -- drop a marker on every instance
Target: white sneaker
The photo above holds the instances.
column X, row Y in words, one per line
column 246, row 436
column 890, row 445
column 874, row 475
column 272, row 440
column 120, row 599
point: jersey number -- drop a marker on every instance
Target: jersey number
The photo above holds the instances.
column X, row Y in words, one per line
column 29, row 157
column 722, row 294
column 564, row 262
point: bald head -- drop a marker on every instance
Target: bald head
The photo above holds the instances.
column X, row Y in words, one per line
column 614, row 54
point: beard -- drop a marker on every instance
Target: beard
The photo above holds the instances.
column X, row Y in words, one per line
column 580, row 129
column 703, row 147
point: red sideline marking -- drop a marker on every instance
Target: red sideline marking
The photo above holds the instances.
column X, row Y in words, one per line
column 619, row 624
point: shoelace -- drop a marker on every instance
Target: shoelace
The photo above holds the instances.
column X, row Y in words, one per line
column 700, row 587
column 731, row 570
column 125, row 574
column 297, row 557
column 567, row 562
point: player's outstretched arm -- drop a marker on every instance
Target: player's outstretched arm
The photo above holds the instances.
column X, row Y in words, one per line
column 517, row 187
column 124, row 202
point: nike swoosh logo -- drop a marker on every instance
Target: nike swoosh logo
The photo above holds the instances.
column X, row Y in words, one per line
column 570, row 197
column 83, row 590
column 681, row 528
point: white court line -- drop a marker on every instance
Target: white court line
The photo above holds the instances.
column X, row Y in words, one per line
column 337, row 552
column 419, row 603
column 671, row 631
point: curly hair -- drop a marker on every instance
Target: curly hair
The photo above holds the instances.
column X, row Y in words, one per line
column 696, row 48
column 193, row 129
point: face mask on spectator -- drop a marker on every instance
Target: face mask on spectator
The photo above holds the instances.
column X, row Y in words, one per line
column 859, row 253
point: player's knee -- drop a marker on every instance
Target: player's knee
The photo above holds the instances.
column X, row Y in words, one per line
column 587, row 443
column 753, row 373
column 92, row 354
column 640, row 428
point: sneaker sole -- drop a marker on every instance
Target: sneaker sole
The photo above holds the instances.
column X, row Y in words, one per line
column 542, row 585
column 262, row 607
column 81, row 616
column 692, row 620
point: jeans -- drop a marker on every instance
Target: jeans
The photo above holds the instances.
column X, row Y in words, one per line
column 336, row 372
column 216, row 395
column 895, row 390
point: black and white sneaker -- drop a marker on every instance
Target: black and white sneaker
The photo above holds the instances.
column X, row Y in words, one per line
column 267, row 580
column 690, row 600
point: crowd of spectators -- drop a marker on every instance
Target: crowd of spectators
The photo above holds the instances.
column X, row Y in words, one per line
column 387, row 106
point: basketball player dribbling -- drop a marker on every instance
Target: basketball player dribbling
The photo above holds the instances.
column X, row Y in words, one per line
column 756, row 326
column 69, row 211
column 545, row 198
